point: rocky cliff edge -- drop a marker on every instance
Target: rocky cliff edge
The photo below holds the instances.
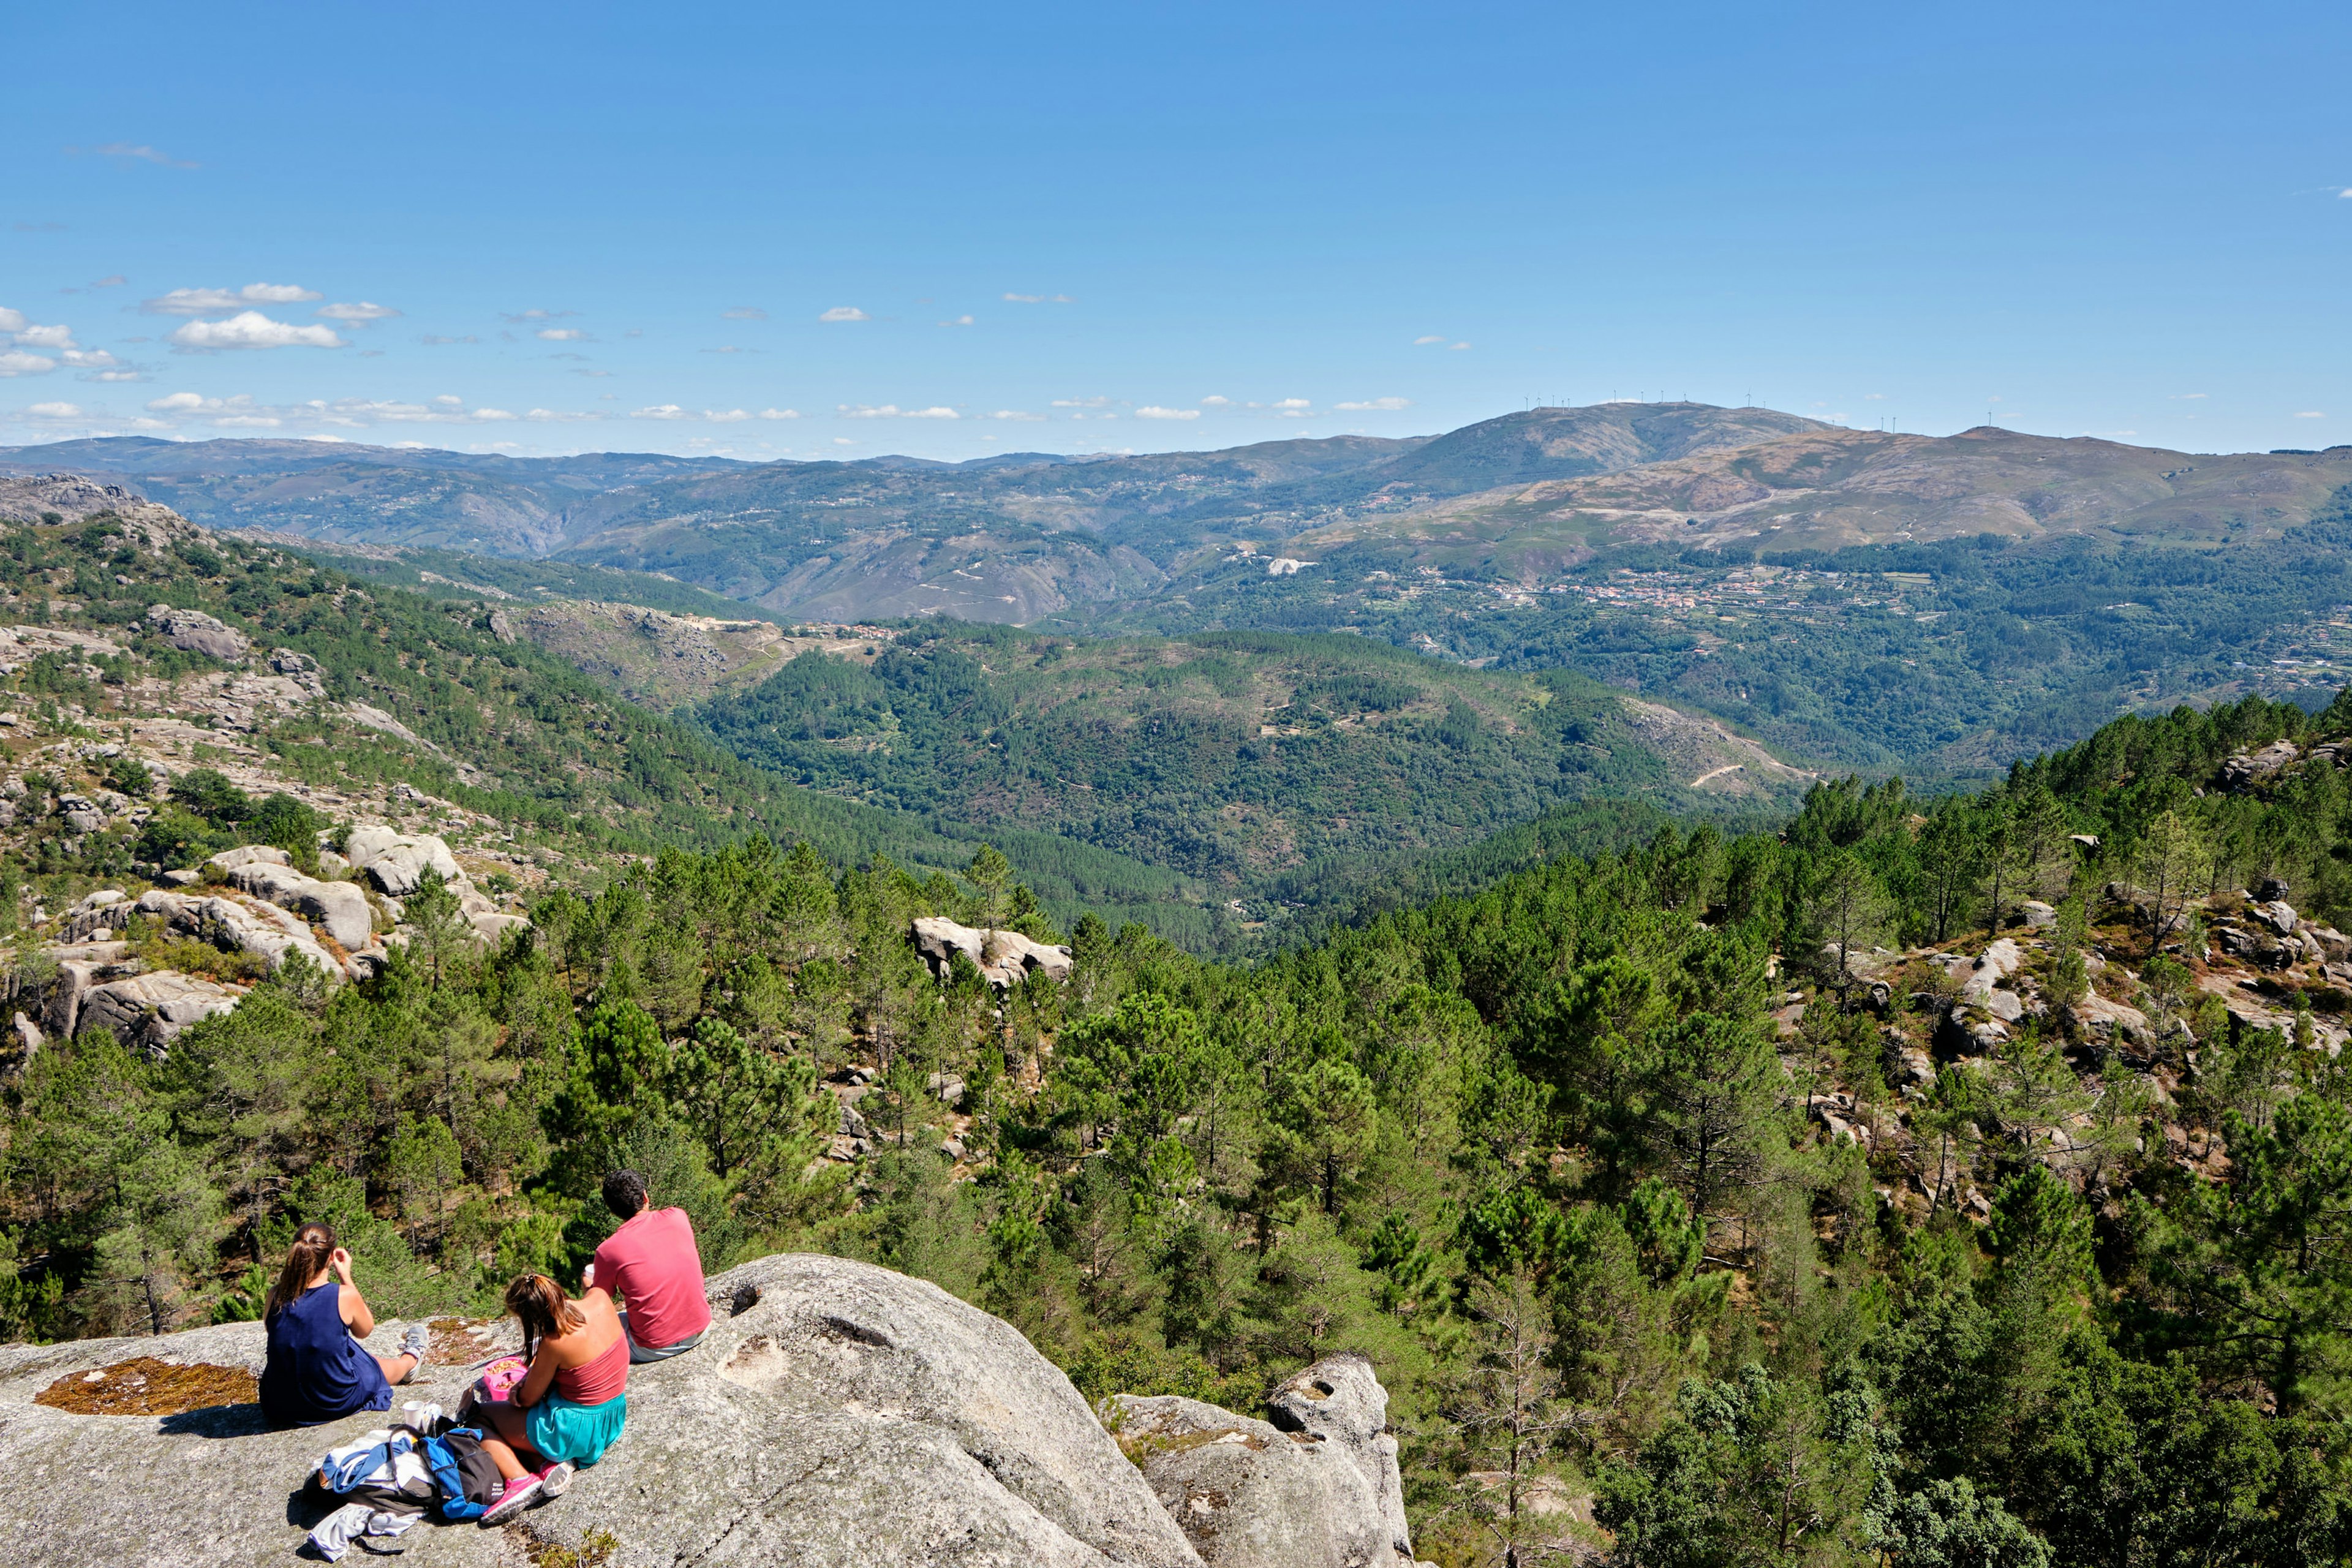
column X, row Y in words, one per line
column 837, row 1415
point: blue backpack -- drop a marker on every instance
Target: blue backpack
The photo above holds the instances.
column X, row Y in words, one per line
column 468, row 1477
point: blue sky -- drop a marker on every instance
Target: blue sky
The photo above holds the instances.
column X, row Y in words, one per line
column 785, row 231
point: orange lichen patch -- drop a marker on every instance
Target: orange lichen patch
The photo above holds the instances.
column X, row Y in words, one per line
column 145, row 1386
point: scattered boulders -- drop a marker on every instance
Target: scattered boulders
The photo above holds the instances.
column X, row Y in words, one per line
column 2243, row 771
column 269, row 933
column 342, row 908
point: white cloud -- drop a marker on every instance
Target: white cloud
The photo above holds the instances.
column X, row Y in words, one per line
column 1460, row 345
column 356, row 315
column 958, row 322
column 844, row 314
column 1376, row 406
column 491, row 415
column 54, row 411
column 211, row 302
column 1292, row 404
column 562, row 335
column 743, row 313
column 725, row 348
column 661, row 411
column 2187, row 396
column 175, row 403
column 143, row 152
column 252, row 330
column 1429, row 338
column 1039, row 298
column 116, row 375
column 17, row 362
column 534, row 314
column 2311, row 414
column 1151, row 411
column 779, row 413
column 1215, row 401
column 249, row 422
column 113, row 281
column 11, row 320
column 140, row 152
column 88, row 359
column 1017, row 414
column 58, row 337
column 1082, row 403
column 842, row 441
column 728, row 417
column 557, row 416
column 892, row 411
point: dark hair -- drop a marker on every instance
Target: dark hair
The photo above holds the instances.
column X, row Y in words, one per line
column 313, row 1244
column 624, row 1193
column 540, row 1303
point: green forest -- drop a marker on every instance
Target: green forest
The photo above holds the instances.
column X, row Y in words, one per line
column 1982, row 649
column 509, row 730
column 1246, row 761
column 1570, row 1155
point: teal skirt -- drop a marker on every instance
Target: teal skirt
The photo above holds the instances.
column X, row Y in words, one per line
column 561, row 1429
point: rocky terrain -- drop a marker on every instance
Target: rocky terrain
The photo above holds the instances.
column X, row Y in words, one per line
column 2162, row 975
column 837, row 1415
column 665, row 661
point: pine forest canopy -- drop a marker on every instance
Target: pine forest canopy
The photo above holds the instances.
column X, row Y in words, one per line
column 1684, row 1186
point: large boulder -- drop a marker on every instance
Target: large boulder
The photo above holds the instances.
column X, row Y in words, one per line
column 149, row 1010
column 192, row 631
column 397, row 862
column 837, row 1415
column 269, row 933
column 1004, row 957
column 1339, row 1403
column 341, row 908
column 1249, row 1494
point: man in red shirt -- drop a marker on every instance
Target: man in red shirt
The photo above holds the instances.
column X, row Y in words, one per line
column 651, row 1265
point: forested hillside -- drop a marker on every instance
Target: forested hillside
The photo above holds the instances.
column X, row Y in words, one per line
column 1236, row 759
column 390, row 691
column 1721, row 1200
column 1946, row 658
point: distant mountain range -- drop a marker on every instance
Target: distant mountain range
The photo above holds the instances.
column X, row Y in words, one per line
column 999, row 539
column 1020, row 536
column 1857, row 598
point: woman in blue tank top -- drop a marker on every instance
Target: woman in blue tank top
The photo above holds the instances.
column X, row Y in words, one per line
column 318, row 1370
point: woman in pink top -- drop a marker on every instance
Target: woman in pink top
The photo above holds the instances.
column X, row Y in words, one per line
column 569, row 1408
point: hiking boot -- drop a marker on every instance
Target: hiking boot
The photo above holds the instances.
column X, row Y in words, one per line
column 514, row 1499
column 554, row 1481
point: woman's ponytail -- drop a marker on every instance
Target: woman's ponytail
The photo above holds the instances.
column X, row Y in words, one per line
column 540, row 1305
column 313, row 1244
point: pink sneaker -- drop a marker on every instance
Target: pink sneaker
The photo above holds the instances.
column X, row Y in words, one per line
column 514, row 1499
column 554, row 1481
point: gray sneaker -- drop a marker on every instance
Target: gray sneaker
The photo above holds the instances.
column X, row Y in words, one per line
column 416, row 1340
